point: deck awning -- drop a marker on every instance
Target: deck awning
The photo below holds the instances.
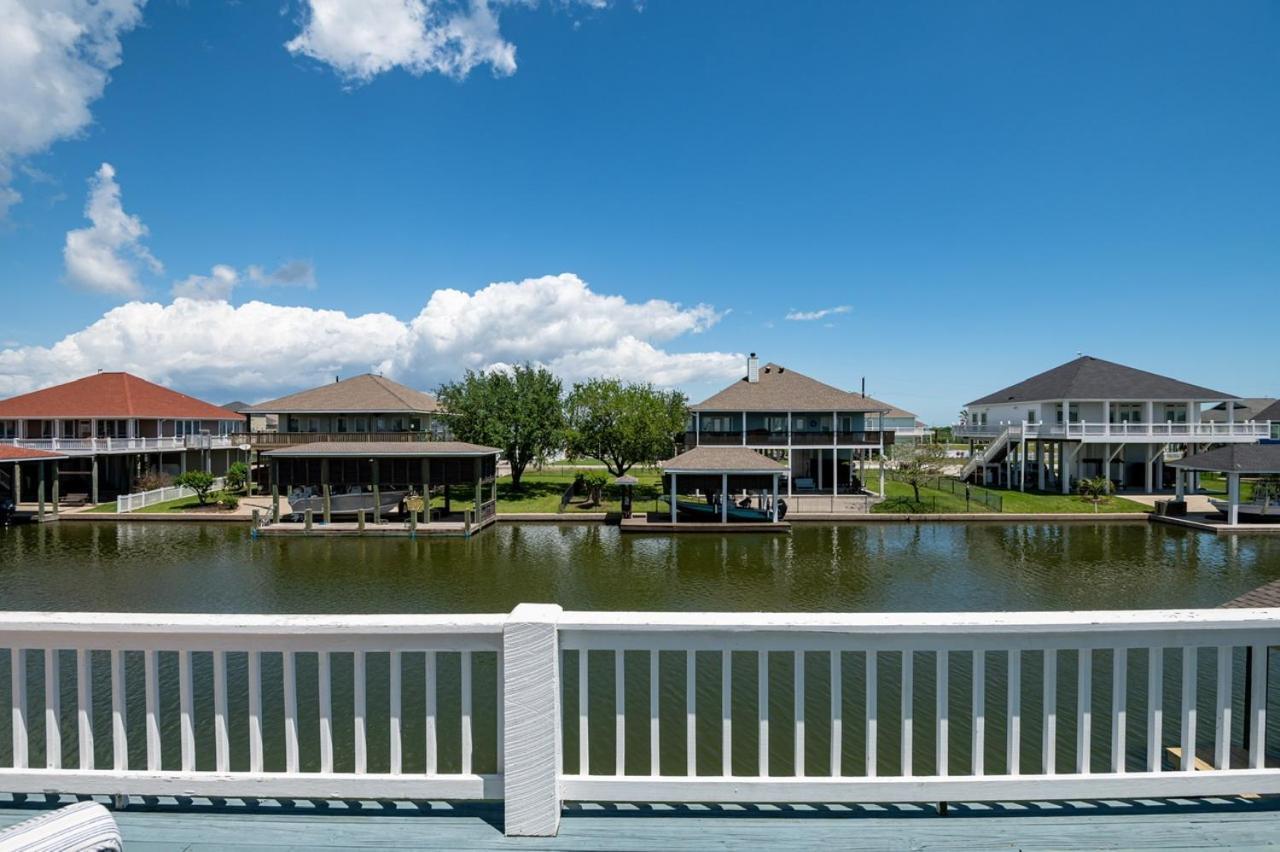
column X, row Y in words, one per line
column 10, row 453
column 1234, row 458
column 383, row 449
column 719, row 460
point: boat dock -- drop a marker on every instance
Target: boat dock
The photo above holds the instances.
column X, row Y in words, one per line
column 660, row 522
column 396, row 529
column 1213, row 523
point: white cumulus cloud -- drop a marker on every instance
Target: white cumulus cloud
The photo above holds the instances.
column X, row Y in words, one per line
column 214, row 287
column 363, row 38
column 55, row 59
column 106, row 256
column 809, row 316
column 258, row 350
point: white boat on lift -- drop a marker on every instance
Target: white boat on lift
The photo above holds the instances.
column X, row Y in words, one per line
column 348, row 504
column 1257, row 510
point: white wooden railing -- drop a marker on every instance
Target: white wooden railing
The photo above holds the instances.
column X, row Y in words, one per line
column 1207, row 431
column 142, row 499
column 641, row 707
column 124, row 445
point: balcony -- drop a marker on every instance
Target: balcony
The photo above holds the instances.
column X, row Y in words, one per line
column 1205, row 432
column 100, row 446
column 274, row 440
column 772, row 438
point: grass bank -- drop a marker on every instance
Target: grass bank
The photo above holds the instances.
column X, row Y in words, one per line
column 900, row 499
column 540, row 491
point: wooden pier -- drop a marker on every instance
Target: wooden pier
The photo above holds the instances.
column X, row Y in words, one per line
column 660, row 522
column 1214, row 523
column 391, row 529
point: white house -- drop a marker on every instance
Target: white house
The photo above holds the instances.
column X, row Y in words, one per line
column 1091, row 417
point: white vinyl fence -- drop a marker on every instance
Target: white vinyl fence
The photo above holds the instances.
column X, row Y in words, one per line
column 542, row 706
column 143, row 499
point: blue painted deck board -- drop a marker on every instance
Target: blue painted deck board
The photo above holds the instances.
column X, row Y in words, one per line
column 1233, row 823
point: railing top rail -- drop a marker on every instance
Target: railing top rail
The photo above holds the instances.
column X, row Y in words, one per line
column 192, row 625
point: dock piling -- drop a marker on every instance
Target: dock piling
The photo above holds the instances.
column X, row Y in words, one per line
column 360, row 520
column 275, row 503
column 307, row 519
column 328, row 506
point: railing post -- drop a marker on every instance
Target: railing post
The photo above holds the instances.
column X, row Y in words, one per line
column 531, row 734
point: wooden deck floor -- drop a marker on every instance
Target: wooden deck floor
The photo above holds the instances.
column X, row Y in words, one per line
column 1162, row 824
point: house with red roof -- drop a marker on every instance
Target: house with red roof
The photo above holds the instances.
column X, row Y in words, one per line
column 114, row 428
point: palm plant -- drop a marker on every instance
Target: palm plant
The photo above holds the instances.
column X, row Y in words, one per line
column 1095, row 489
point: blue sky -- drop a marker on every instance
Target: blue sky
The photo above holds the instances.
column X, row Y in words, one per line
column 984, row 189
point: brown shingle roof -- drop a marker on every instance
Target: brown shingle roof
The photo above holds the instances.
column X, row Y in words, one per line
column 384, row 449
column 1093, row 378
column 1263, row 596
column 365, row 393
column 10, row 453
column 112, row 395
column 722, row 460
column 780, row 389
column 890, row 410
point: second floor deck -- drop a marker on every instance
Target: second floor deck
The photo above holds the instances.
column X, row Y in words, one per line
column 106, row 446
column 1102, row 432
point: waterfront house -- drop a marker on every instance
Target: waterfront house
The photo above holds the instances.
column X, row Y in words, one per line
column 1271, row 418
column 114, row 428
column 906, row 427
column 823, row 435
column 1091, row 417
column 362, row 408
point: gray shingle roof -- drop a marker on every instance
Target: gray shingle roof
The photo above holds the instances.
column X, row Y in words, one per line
column 366, row 393
column 722, row 460
column 1235, row 458
column 1245, row 409
column 1093, row 378
column 1270, row 413
column 780, row 389
column 383, row 449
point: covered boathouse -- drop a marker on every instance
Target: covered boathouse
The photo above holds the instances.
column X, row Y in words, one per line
column 448, row 482
column 723, row 485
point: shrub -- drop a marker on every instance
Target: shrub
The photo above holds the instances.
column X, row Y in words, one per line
column 236, row 476
column 228, row 501
column 1095, row 489
column 595, row 481
column 199, row 482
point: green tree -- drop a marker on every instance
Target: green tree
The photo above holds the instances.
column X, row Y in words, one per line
column 518, row 411
column 198, row 481
column 1095, row 489
column 624, row 424
column 920, row 463
column 237, row 475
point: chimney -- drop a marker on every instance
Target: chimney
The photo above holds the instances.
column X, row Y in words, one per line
column 753, row 368
column 864, row 387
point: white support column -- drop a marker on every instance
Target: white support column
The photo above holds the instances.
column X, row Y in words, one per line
column 531, row 734
column 1233, row 497
column 744, row 428
column 1231, row 416
column 1064, row 467
column 1040, row 470
column 1180, row 489
column 835, row 471
column 1106, row 415
column 673, row 498
column 774, row 504
column 697, row 428
column 724, row 498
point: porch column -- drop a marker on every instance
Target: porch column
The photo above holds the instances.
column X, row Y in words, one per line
column 40, row 489
column 1179, row 484
column 93, row 479
column 377, row 494
column 1148, row 459
column 1064, row 467
column 835, row 471
column 1233, row 496
column 724, row 498
column 697, row 428
column 426, row 489
column 17, row 482
column 673, row 498
column 1022, row 458
column 1040, row 463
column 775, row 498
column 744, row 428
column 1231, row 416
column 57, row 488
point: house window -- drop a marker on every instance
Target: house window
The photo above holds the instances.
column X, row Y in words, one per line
column 291, row 424
column 775, row 423
column 717, row 423
column 362, row 424
column 112, row 429
column 342, row 424
column 1073, row 412
column 8, row 428
column 415, row 424
column 1175, row 413
column 1126, row 412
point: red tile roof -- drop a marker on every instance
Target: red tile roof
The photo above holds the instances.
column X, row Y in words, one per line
column 111, row 395
column 10, row 453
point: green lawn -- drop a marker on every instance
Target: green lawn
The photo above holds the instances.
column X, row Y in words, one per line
column 540, row 491
column 579, row 461
column 168, row 506
column 1216, row 484
column 900, row 499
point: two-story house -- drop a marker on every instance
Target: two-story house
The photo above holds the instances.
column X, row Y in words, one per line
column 362, row 408
column 1091, row 417
column 116, row 427
column 823, row 434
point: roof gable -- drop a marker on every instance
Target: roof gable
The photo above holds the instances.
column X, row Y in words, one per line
column 1093, row 378
column 781, row 389
column 365, row 393
column 111, row 396
column 1272, row 412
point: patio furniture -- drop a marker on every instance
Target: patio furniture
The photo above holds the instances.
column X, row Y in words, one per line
column 82, row 827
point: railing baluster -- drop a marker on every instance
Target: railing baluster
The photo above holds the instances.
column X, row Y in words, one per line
column 619, row 713
column 255, row 711
column 762, row 665
column 501, row 714
column 837, row 715
column 726, row 713
column 119, row 737
column 1188, row 709
column 1014, row 744
column 655, row 765
column 221, row 739
column 84, row 706
column 359, row 689
column 288, row 674
column 1155, row 707
column 908, row 711
column 1049, row 739
column 584, row 754
column 153, row 711
column 186, row 723
column 1222, row 719
column 691, row 713
column 52, row 711
column 432, row 743
column 1257, row 720
column 942, row 679
column 467, row 746
column 799, row 713
column 871, row 713
column 396, row 708
column 979, row 711
column 1119, row 710
column 1084, row 709
column 18, row 702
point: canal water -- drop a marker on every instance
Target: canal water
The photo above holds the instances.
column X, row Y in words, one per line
column 169, row 567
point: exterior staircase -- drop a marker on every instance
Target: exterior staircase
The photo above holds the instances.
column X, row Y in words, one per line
column 993, row 452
